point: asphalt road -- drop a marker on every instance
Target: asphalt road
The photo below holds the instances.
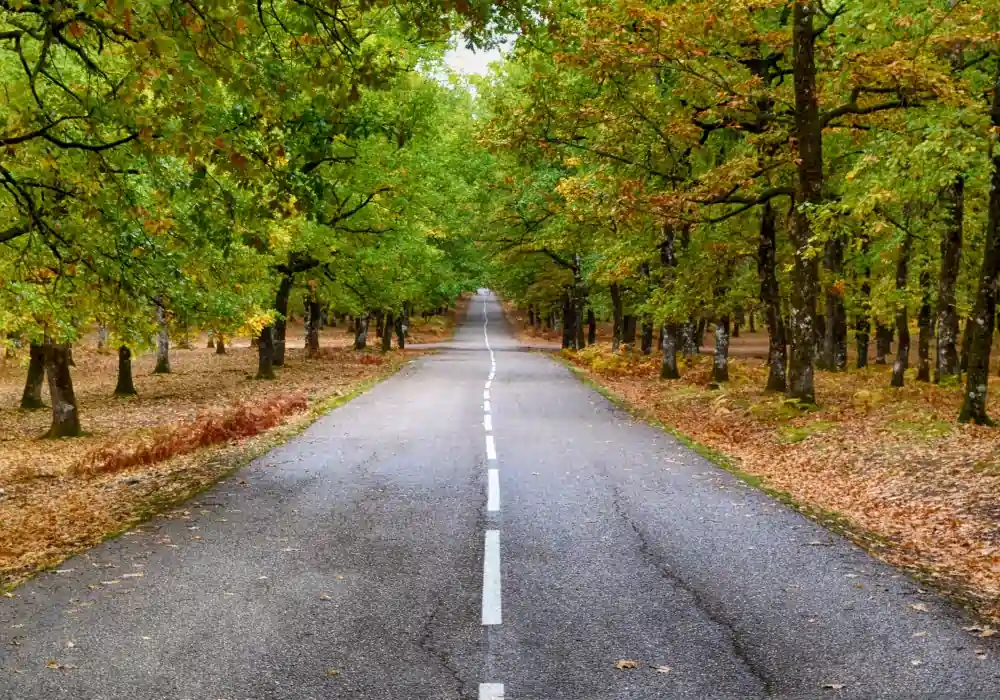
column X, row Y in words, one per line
column 375, row 557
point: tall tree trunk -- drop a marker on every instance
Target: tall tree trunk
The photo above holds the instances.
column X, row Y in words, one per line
column 835, row 338
column 647, row 335
column 361, row 332
column 616, row 318
column 883, row 342
column 32, row 396
column 924, row 320
column 628, row 337
column 380, row 323
column 65, row 415
column 669, row 332
column 568, row 335
column 863, row 323
column 591, row 327
column 220, row 344
column 125, row 385
column 102, row 337
column 808, row 191
column 401, row 326
column 315, row 319
column 281, row 322
column 770, row 298
column 720, row 362
column 579, row 304
column 820, row 336
column 692, row 336
column 985, row 312
column 948, row 363
column 387, row 332
column 902, row 361
column 752, row 318
column 162, row 342
column 265, row 353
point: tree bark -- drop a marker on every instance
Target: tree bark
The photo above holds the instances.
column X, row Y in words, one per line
column 102, row 337
column 379, row 323
column 924, row 320
column 32, row 396
column 883, row 342
column 281, row 322
column 647, row 335
column 770, row 298
column 211, row 340
column 669, row 332
column 401, row 326
column 531, row 315
column 220, row 344
column 668, row 368
column 835, row 338
column 984, row 314
column 902, row 362
column 387, row 332
column 125, row 385
column 162, row 342
column 808, row 190
column 65, row 415
column 616, row 318
column 720, row 362
column 361, row 332
column 313, row 322
column 947, row 361
column 568, row 329
column 591, row 327
column 628, row 337
column 863, row 324
column 265, row 353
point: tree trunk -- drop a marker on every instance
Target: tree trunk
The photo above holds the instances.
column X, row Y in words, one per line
column 387, row 332
column 668, row 368
column 568, row 336
column 808, row 191
column 162, row 342
column 32, row 396
column 616, row 318
column 401, row 328
column 125, row 385
column 379, row 323
column 361, row 332
column 281, row 322
column 924, row 320
column 863, row 324
column 738, row 320
column 647, row 335
column 984, row 314
column 628, row 337
column 265, row 353
column 65, row 415
column 752, row 318
column 691, row 336
column 211, row 340
column 902, row 361
column 720, row 363
column 820, row 336
column 883, row 342
column 835, row 335
column 102, row 337
column 948, row 363
column 315, row 319
column 770, row 298
column 591, row 327
column 220, row 344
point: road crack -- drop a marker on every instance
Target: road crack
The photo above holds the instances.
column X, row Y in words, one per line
column 426, row 642
column 737, row 640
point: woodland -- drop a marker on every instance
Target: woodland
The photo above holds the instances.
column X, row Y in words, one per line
column 636, row 171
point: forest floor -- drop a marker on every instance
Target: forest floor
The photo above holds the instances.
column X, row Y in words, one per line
column 890, row 468
column 180, row 434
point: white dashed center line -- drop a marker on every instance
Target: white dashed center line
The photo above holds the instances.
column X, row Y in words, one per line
column 492, row 613
column 491, row 448
column 488, row 422
column 491, row 691
column 493, row 493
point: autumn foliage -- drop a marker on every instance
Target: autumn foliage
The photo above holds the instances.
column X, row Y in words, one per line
column 240, row 420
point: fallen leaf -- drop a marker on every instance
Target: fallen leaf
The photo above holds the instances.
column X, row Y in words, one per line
column 625, row 664
column 832, row 686
column 919, row 607
column 325, row 597
column 916, row 662
column 662, row 669
column 332, row 672
column 922, row 633
column 110, row 583
column 135, row 575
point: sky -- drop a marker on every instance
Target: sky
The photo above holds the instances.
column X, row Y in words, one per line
column 467, row 62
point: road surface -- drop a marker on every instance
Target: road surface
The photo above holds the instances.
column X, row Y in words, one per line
column 483, row 525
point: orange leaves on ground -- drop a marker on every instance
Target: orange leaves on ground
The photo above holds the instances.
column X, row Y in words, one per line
column 242, row 419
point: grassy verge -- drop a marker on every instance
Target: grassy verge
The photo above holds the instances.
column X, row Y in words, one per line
column 889, row 469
